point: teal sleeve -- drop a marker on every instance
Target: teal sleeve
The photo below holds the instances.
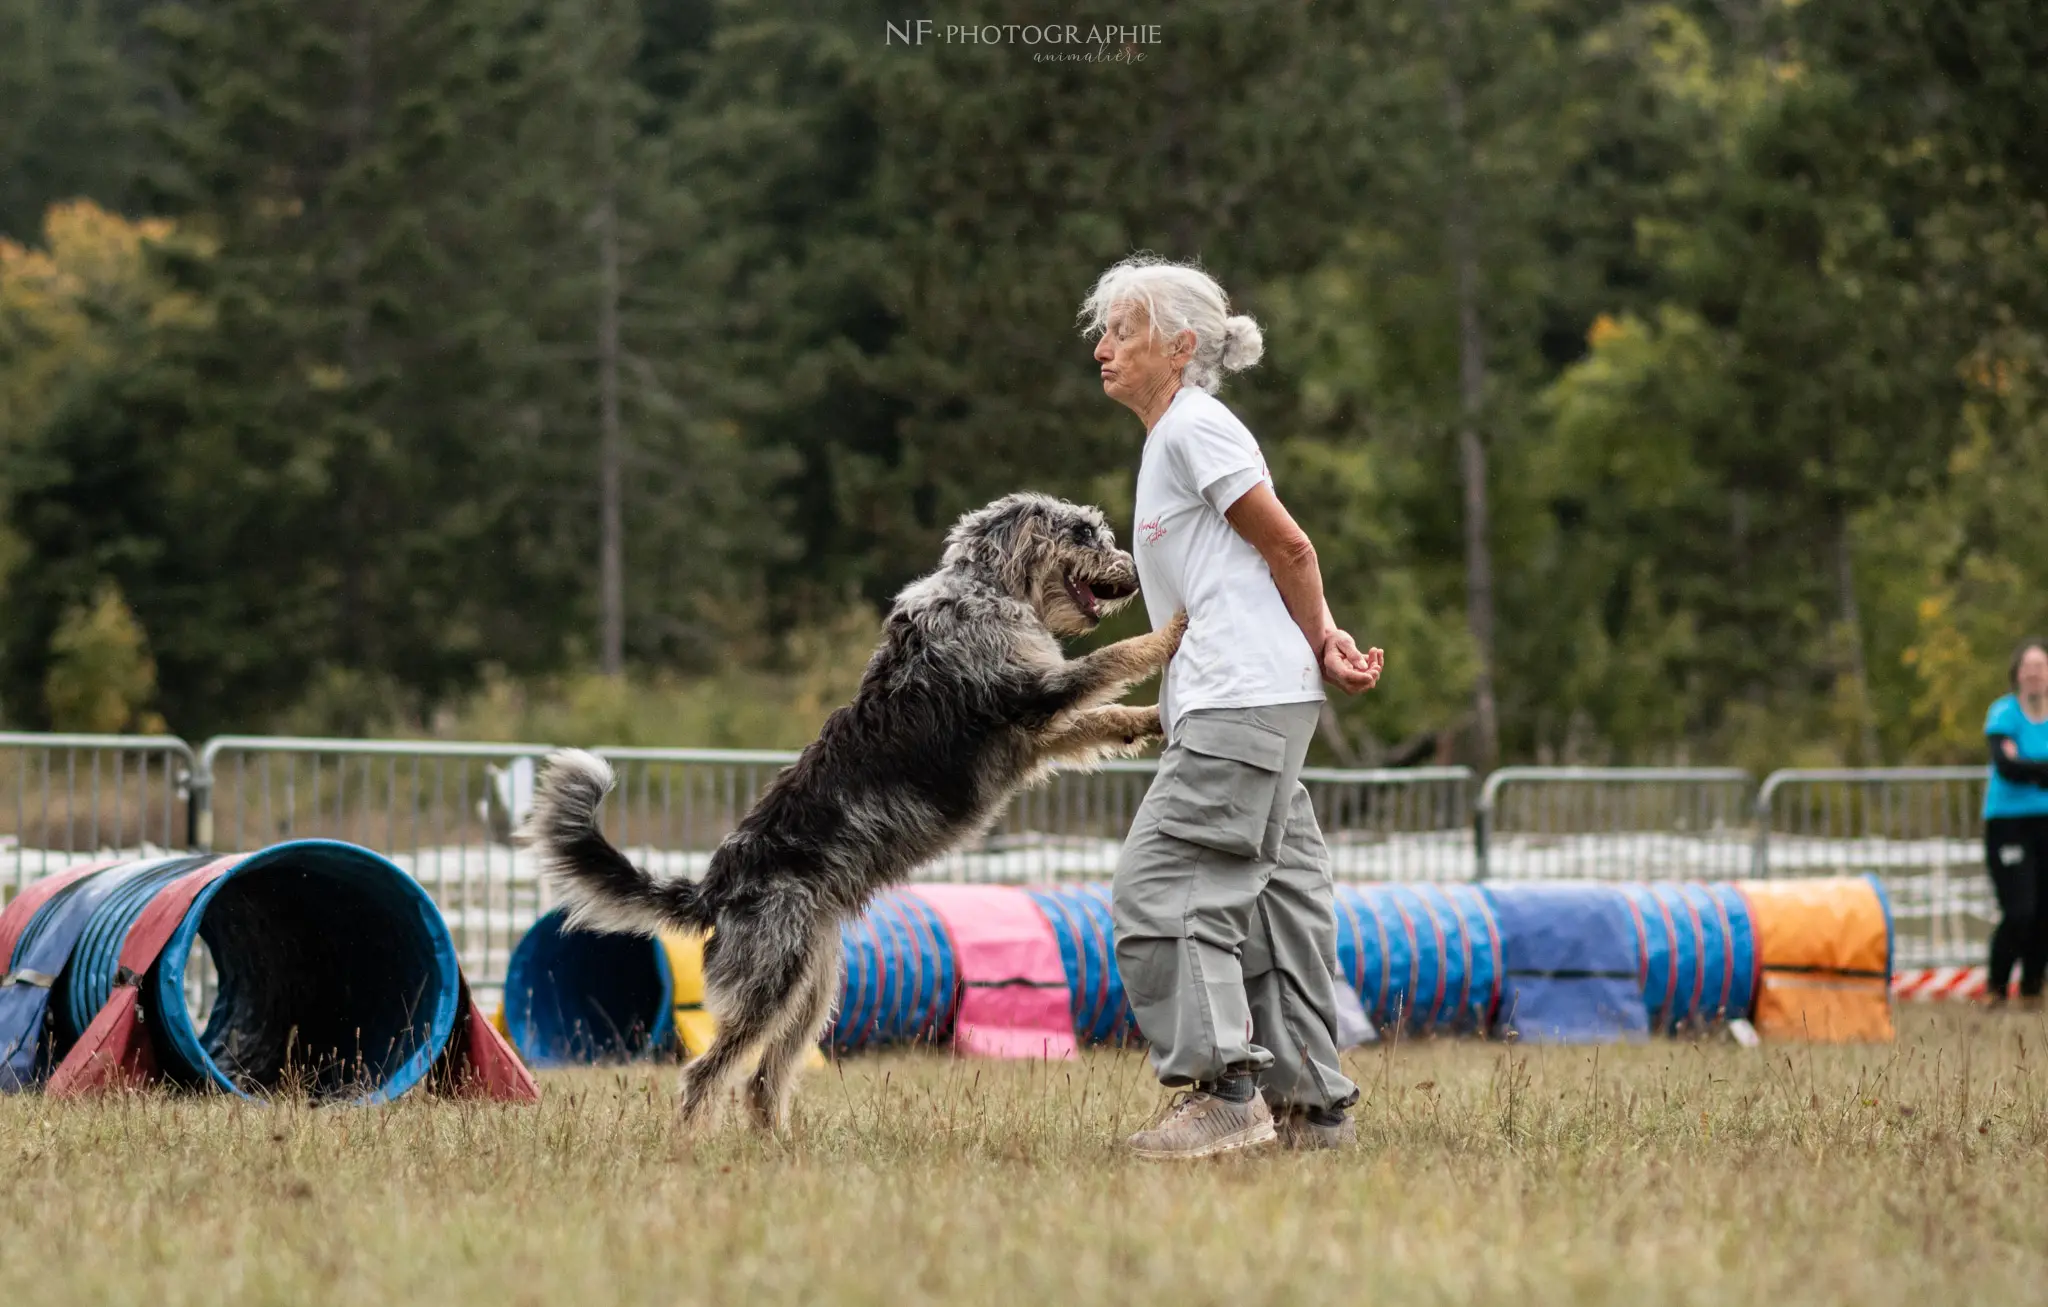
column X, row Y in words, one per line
column 2001, row 720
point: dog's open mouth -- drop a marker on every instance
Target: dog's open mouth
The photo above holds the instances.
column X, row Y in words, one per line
column 1089, row 596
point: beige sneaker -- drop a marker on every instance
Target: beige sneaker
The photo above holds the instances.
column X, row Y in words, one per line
column 1296, row 1131
column 1202, row 1125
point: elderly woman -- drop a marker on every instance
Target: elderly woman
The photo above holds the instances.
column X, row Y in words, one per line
column 2016, row 825
column 1225, row 926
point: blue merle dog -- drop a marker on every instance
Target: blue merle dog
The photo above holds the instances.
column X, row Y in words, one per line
column 968, row 699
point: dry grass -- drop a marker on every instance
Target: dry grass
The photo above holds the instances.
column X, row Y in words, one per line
column 1670, row 1173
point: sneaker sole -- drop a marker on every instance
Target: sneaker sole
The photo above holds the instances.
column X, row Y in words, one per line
column 1262, row 1133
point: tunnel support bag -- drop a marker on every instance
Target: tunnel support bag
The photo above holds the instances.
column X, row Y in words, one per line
column 1823, row 951
column 116, row 1052
column 37, row 933
column 1574, row 964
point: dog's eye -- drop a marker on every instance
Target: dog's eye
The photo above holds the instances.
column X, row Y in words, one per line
column 1082, row 535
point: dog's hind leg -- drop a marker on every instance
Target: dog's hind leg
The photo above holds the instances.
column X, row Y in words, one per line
column 710, row 1071
column 769, row 1090
column 751, row 982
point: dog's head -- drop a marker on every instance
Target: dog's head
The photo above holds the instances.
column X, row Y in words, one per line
column 1060, row 558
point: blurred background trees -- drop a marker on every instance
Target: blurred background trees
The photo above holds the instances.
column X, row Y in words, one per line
column 1660, row 382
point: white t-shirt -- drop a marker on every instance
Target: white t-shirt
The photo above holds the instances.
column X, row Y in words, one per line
column 1242, row 649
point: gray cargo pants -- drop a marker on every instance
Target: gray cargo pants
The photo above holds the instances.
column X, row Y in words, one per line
column 1226, row 933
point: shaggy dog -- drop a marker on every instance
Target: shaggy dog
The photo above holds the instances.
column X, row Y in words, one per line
column 968, row 699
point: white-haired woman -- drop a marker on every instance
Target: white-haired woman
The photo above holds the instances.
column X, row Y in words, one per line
column 1225, row 926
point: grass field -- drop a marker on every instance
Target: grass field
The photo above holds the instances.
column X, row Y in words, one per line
column 1667, row 1173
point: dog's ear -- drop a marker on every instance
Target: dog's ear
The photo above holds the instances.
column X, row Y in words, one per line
column 1003, row 540
column 977, row 539
column 1025, row 552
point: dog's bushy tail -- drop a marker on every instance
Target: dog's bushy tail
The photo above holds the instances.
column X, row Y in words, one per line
column 600, row 887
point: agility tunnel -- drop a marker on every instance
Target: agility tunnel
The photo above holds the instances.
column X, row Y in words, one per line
column 38, row 933
column 1824, row 951
column 1086, row 931
column 1421, row 958
column 995, row 969
column 576, row 997
column 922, row 965
column 899, row 978
column 1698, row 954
column 1574, row 964
column 336, row 977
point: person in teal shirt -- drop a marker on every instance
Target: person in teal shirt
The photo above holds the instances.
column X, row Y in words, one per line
column 2016, row 824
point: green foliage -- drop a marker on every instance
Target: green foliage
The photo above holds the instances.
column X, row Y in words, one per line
column 71, row 111
column 733, row 707
column 1757, row 292
column 101, row 675
column 1335, row 486
column 1979, row 595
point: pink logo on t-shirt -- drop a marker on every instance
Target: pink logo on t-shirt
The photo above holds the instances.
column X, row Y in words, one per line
column 1154, row 532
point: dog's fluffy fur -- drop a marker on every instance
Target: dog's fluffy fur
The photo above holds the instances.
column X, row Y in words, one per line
column 967, row 699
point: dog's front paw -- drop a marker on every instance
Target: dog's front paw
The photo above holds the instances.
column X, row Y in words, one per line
column 1142, row 725
column 1171, row 633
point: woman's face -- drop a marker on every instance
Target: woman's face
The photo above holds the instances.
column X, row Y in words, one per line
column 2033, row 673
column 1136, row 365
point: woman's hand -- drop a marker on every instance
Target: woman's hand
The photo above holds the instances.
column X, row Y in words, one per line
column 1348, row 669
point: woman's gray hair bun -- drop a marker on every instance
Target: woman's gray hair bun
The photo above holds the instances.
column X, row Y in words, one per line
column 1243, row 344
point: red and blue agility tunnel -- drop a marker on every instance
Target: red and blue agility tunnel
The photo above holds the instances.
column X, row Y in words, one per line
column 337, row 978
column 899, row 981
column 1699, row 954
column 38, row 934
column 1086, row 930
column 1422, row 958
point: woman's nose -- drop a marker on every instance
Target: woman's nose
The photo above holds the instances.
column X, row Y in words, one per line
column 1103, row 353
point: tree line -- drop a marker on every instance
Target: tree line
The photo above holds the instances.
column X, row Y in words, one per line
column 1659, row 381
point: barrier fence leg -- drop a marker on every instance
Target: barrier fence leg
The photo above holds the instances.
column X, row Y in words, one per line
column 199, row 810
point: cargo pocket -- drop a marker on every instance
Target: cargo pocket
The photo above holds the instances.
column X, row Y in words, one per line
column 1224, row 784
column 1149, row 969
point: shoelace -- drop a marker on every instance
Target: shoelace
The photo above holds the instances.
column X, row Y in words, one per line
column 1183, row 1101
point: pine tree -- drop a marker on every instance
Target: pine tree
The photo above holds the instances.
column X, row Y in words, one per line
column 71, row 111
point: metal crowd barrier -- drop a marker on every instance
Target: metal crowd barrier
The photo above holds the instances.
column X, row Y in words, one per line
column 443, row 811
column 446, row 810
column 1615, row 823
column 1396, row 823
column 66, row 799
column 1918, row 829
column 673, row 806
